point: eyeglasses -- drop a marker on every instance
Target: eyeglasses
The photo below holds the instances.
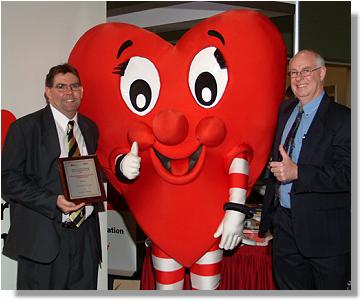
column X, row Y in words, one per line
column 64, row 87
column 303, row 73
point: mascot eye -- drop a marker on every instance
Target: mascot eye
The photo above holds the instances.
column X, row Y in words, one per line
column 140, row 85
column 208, row 77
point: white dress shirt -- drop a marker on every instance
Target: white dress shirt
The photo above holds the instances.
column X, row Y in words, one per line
column 61, row 122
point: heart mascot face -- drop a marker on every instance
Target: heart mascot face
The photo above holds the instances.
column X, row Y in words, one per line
column 191, row 107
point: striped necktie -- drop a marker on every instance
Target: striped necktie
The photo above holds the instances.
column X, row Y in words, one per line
column 79, row 216
column 73, row 149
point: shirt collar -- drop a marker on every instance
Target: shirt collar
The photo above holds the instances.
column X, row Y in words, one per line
column 313, row 104
column 61, row 119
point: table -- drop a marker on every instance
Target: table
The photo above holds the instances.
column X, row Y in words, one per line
column 245, row 268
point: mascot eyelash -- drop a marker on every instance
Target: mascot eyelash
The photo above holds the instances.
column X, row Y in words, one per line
column 120, row 68
column 220, row 59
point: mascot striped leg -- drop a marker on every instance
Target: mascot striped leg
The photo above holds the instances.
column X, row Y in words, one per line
column 205, row 273
column 169, row 274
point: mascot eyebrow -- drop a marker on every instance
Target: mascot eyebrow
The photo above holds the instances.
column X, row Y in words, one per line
column 120, row 68
column 216, row 34
column 129, row 43
column 124, row 45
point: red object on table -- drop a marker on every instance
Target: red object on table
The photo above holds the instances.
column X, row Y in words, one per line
column 246, row 268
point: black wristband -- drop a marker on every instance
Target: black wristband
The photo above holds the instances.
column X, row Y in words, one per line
column 239, row 208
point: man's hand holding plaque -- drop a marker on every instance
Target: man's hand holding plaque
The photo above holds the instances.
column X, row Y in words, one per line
column 66, row 206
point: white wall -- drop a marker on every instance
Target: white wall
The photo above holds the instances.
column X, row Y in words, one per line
column 34, row 37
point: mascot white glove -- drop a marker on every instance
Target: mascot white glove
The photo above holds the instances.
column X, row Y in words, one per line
column 130, row 164
column 231, row 229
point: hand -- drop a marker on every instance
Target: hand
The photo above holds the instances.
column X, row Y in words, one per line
column 285, row 170
column 130, row 164
column 231, row 229
column 66, row 206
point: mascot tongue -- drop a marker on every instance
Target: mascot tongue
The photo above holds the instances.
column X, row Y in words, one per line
column 179, row 167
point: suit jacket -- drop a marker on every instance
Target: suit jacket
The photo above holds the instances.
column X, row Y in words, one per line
column 320, row 197
column 31, row 184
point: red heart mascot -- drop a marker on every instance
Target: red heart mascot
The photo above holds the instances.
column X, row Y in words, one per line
column 184, row 130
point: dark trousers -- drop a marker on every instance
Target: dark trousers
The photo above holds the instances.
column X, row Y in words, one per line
column 75, row 267
column 294, row 271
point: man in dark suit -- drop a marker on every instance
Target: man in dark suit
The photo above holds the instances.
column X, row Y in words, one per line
column 307, row 199
column 53, row 251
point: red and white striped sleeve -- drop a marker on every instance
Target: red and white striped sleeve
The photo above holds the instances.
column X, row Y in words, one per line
column 238, row 177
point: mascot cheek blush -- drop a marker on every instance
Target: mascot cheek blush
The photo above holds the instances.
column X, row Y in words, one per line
column 203, row 113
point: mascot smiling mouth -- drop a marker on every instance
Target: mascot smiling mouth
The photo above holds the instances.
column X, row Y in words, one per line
column 179, row 167
column 178, row 170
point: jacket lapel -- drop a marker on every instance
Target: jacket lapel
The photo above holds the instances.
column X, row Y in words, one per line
column 50, row 138
column 87, row 135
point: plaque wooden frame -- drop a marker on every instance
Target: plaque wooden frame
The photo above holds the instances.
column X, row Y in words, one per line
column 64, row 178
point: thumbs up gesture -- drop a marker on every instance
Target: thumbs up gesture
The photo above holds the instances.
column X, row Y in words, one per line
column 130, row 164
column 285, row 170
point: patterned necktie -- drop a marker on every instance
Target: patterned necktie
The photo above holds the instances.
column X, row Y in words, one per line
column 79, row 216
column 289, row 144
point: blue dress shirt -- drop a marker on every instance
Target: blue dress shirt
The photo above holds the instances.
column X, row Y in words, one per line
column 306, row 119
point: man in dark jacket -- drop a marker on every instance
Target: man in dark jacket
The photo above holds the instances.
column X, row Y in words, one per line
column 53, row 250
column 308, row 196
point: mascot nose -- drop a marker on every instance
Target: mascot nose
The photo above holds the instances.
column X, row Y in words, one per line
column 170, row 127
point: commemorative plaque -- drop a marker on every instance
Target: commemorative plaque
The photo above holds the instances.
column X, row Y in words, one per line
column 81, row 179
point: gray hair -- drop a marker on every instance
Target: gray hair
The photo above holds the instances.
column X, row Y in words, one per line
column 318, row 58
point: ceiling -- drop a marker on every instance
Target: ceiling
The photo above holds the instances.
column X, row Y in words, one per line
column 170, row 19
